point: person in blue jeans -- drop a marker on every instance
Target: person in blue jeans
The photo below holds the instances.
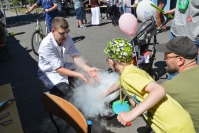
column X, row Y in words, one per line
column 50, row 8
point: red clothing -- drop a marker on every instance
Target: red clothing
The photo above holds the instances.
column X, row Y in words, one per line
column 94, row 3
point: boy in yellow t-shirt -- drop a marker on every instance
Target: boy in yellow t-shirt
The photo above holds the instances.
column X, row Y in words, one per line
column 164, row 114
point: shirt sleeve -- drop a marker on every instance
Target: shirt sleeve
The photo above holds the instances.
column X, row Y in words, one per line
column 54, row 1
column 49, row 58
column 72, row 50
column 135, row 81
column 38, row 2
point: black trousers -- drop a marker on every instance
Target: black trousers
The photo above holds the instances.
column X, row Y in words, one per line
column 63, row 89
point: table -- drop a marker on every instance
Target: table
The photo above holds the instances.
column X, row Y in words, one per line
column 133, row 11
column 103, row 9
column 15, row 127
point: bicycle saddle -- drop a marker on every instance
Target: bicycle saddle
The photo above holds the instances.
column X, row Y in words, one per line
column 145, row 29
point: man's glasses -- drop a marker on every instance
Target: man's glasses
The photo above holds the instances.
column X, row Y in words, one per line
column 64, row 33
column 166, row 58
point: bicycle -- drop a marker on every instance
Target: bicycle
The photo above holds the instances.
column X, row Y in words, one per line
column 38, row 34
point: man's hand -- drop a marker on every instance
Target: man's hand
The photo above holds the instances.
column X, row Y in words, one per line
column 47, row 10
column 92, row 71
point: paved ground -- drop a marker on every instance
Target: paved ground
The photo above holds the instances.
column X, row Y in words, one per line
column 21, row 70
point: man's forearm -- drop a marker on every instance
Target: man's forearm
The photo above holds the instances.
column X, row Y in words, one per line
column 81, row 63
column 32, row 8
column 67, row 72
column 55, row 6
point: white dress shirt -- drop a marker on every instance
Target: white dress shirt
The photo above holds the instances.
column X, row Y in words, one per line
column 53, row 56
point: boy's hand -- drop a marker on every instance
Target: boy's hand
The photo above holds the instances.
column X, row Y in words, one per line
column 81, row 76
column 124, row 118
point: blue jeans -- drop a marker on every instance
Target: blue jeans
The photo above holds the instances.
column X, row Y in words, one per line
column 197, row 44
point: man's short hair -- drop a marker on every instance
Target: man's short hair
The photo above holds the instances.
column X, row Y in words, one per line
column 59, row 22
column 182, row 46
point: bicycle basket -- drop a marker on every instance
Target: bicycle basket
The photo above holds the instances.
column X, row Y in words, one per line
column 144, row 29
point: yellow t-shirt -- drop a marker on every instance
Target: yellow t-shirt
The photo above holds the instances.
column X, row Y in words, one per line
column 165, row 117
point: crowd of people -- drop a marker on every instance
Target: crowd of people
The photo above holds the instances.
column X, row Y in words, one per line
column 170, row 107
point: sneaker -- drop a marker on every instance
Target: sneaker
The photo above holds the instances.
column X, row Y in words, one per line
column 83, row 27
column 135, row 5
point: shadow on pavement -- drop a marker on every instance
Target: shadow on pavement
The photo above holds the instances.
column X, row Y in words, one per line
column 21, row 20
column 101, row 24
column 24, row 19
column 77, row 39
column 160, row 68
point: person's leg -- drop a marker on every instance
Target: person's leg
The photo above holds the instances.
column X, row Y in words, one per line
column 81, row 17
column 106, row 13
column 77, row 17
column 113, row 19
column 124, row 8
column 49, row 18
column 172, row 35
column 48, row 23
column 84, row 14
column 62, row 90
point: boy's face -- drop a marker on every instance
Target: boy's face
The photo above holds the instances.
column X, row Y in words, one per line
column 60, row 35
column 112, row 64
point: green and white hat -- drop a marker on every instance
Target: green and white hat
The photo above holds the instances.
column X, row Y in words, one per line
column 119, row 50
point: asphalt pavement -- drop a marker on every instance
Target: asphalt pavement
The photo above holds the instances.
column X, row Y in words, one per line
column 21, row 69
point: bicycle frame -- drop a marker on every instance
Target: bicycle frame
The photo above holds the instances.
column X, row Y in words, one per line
column 40, row 28
column 38, row 34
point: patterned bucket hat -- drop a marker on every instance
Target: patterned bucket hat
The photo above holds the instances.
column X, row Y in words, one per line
column 119, row 50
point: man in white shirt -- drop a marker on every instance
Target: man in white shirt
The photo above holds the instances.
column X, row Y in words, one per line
column 54, row 49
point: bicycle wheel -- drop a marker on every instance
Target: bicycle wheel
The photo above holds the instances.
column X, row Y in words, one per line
column 36, row 40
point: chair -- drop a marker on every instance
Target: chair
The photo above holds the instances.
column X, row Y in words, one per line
column 60, row 107
column 88, row 8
